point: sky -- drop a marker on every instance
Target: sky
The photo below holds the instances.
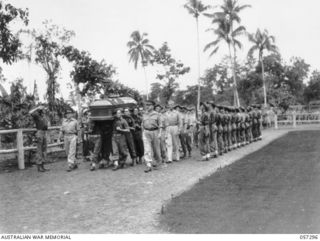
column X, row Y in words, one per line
column 103, row 28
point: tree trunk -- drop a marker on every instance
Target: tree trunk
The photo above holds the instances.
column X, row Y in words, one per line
column 198, row 45
column 235, row 76
column 233, row 66
column 147, row 82
column 79, row 107
column 263, row 81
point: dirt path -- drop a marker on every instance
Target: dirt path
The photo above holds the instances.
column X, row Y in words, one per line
column 126, row 201
column 273, row 190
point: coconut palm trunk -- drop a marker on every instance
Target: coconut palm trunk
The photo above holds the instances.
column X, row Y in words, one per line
column 263, row 80
column 147, row 82
column 235, row 91
column 199, row 82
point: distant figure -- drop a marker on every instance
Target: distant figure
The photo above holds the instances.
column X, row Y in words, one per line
column 41, row 135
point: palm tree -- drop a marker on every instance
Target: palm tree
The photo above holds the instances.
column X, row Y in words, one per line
column 195, row 8
column 140, row 51
column 224, row 34
column 262, row 41
column 229, row 14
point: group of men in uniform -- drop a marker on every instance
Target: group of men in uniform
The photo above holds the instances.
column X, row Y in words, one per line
column 158, row 135
column 225, row 128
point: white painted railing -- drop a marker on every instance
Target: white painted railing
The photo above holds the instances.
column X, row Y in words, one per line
column 294, row 119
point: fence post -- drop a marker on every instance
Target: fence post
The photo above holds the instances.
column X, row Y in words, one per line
column 294, row 117
column 20, row 149
column 275, row 122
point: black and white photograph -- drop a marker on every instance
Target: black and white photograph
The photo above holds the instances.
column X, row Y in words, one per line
column 159, row 117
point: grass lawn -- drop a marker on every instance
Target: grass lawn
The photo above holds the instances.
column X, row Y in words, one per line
column 273, row 190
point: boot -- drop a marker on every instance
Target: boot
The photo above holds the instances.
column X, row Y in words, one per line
column 44, row 169
column 93, row 167
column 134, row 160
column 40, row 169
column 190, row 154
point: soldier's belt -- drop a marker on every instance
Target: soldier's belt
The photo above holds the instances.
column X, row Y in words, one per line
column 151, row 129
column 94, row 136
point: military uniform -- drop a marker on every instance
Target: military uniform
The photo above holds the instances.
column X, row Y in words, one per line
column 70, row 130
column 119, row 145
column 129, row 138
column 220, row 133
column 152, row 125
column 41, row 135
column 94, row 138
column 188, row 133
column 213, row 132
column 137, row 136
column 174, row 125
column 183, row 135
column 204, row 135
column 234, row 129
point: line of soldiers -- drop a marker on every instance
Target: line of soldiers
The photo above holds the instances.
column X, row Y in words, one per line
column 157, row 135
column 224, row 128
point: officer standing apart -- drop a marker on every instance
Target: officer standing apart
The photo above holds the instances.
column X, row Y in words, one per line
column 41, row 135
column 152, row 128
column 69, row 130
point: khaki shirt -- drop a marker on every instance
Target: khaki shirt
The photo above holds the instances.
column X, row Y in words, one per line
column 173, row 118
column 70, row 126
column 151, row 120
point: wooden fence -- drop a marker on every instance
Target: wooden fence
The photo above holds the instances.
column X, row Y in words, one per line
column 295, row 119
column 20, row 149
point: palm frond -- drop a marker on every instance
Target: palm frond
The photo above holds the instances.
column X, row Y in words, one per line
column 214, row 51
column 209, row 45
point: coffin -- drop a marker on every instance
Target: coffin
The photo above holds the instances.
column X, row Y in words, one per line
column 103, row 109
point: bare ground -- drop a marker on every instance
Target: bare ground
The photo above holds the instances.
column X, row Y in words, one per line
column 126, row 201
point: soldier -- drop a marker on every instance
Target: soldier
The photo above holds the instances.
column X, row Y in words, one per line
column 250, row 122
column 242, row 127
column 188, row 130
column 41, row 135
column 259, row 117
column 229, row 128
column 69, row 130
column 152, row 129
column 183, row 134
column 119, row 146
column 233, row 128
column 174, row 125
column 137, row 135
column 193, row 123
column 220, row 131
column 163, row 148
column 225, row 129
column 213, row 129
column 204, row 135
column 254, row 123
column 94, row 137
column 238, row 124
column 129, row 135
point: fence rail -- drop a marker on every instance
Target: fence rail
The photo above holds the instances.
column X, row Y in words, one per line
column 295, row 119
column 20, row 149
